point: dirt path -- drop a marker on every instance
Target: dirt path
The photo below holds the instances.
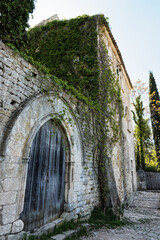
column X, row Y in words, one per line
column 145, row 226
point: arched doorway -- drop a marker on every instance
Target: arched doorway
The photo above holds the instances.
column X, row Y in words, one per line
column 44, row 194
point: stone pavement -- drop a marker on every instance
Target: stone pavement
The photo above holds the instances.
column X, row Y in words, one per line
column 145, row 225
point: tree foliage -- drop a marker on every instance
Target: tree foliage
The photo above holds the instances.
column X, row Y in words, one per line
column 155, row 113
column 14, row 15
column 142, row 133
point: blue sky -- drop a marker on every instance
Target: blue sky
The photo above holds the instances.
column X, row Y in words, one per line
column 135, row 25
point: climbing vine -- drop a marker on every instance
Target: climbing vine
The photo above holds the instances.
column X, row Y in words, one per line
column 68, row 49
column 103, row 124
column 75, row 52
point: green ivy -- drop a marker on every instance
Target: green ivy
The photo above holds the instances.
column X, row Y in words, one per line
column 75, row 52
column 68, row 48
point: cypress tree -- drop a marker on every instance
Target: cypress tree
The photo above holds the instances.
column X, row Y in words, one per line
column 141, row 133
column 14, row 15
column 155, row 113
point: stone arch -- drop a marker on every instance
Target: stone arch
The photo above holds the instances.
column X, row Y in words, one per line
column 34, row 114
column 37, row 125
column 18, row 143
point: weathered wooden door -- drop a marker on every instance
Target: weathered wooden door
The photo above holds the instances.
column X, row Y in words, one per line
column 44, row 195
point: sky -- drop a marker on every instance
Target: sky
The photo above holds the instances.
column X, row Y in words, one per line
column 135, row 25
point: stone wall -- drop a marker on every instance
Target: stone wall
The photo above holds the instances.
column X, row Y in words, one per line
column 123, row 159
column 24, row 108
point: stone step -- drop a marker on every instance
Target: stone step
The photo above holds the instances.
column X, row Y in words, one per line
column 70, row 233
column 146, row 203
column 147, row 195
column 47, row 228
column 150, row 212
column 146, row 199
column 64, row 235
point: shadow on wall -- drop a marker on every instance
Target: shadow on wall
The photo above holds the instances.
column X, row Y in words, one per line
column 114, row 200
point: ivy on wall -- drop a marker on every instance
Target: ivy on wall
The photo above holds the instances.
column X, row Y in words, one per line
column 68, row 48
column 75, row 52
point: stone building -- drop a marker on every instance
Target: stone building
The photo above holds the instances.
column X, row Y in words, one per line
column 44, row 180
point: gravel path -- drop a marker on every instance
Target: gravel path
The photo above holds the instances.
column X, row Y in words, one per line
column 145, row 226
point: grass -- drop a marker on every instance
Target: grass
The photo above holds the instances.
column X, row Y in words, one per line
column 100, row 219
column 97, row 220
column 70, row 225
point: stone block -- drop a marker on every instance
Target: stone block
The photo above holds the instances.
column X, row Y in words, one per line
column 15, row 98
column 26, row 93
column 59, row 237
column 21, row 78
column 29, row 84
column 9, row 214
column 2, row 86
column 21, row 84
column 68, row 207
column 47, row 228
column 8, row 70
column 35, row 88
column 12, row 91
column 14, row 74
column 17, row 226
column 27, row 71
column 80, row 198
column 8, row 106
column 8, row 79
column 6, row 229
column 6, row 61
column 6, row 99
column 7, row 198
column 8, row 170
column 19, row 71
column 3, row 118
column 81, row 204
column 2, row 238
column 25, row 63
column 21, row 96
column 18, row 236
column 14, row 150
column 77, row 210
column 18, row 88
column 4, row 53
column 10, row 184
column 58, row 221
column 69, row 216
column 70, row 233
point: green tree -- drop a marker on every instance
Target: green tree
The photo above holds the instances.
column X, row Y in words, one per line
column 14, row 15
column 155, row 113
column 142, row 133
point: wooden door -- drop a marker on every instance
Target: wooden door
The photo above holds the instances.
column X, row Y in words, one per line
column 44, row 195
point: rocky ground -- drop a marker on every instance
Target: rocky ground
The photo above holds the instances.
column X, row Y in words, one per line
column 145, row 225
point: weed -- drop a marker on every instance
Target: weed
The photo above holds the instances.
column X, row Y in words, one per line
column 99, row 218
